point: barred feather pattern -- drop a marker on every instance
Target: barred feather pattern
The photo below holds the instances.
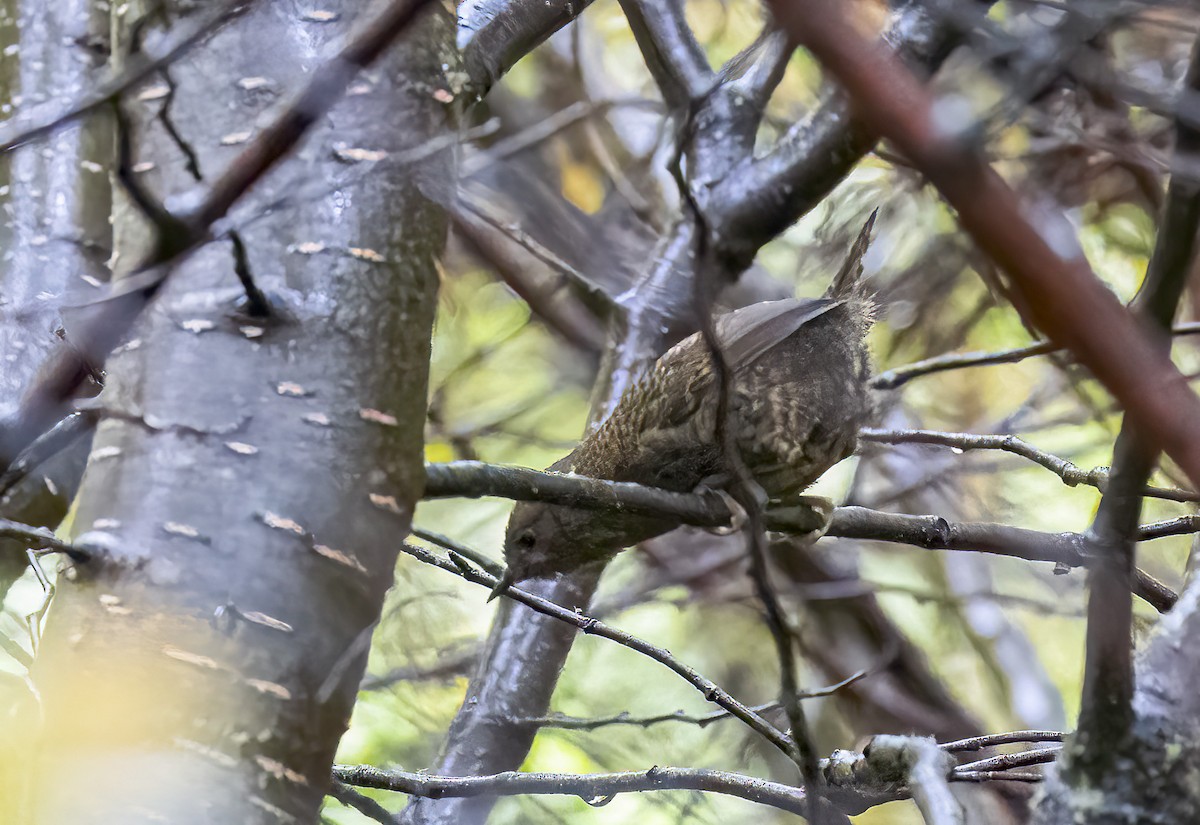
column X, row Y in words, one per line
column 797, row 408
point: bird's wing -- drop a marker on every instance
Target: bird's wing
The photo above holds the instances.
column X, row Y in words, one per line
column 746, row 334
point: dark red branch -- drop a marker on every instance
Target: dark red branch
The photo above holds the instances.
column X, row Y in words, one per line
column 1058, row 291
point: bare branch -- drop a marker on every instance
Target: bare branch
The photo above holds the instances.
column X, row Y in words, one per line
column 891, row 379
column 670, row 50
column 991, row 740
column 859, row 781
column 758, row 69
column 997, row 776
column 594, row 627
column 595, row 789
column 703, row 721
column 1071, row 474
column 495, row 34
column 48, row 444
column 40, row 538
column 446, row 666
column 472, row 479
column 1005, row 761
column 365, row 805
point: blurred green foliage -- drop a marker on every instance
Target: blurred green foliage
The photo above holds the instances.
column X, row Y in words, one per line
column 504, row 389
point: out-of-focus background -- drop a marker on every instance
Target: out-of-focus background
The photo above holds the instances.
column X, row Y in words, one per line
column 564, row 189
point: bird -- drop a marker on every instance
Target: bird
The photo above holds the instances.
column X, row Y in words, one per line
column 799, row 371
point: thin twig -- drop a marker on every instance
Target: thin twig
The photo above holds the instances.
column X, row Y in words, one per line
column 893, row 378
column 701, row 721
column 40, row 538
column 594, row 627
column 1070, row 473
column 991, row 740
column 365, row 805
column 1005, row 761
column 470, row 553
column 997, row 776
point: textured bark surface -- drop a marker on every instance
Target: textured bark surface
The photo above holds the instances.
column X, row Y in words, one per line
column 1154, row 775
column 54, row 233
column 251, row 477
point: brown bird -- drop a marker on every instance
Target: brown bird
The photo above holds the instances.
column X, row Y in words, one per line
column 799, row 370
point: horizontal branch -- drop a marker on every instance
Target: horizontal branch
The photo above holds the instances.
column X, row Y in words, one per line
column 1005, row 761
column 1069, row 472
column 855, row 781
column 991, row 740
column 595, row 789
column 474, row 479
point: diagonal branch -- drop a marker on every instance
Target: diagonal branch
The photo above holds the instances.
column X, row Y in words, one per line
column 670, row 50
column 767, row 194
column 594, row 627
column 494, row 34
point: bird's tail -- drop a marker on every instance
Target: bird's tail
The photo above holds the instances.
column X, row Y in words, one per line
column 846, row 282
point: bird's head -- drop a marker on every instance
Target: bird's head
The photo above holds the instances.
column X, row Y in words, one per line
column 532, row 545
column 546, row 539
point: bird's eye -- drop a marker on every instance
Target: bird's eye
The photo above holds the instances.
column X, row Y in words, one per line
column 526, row 540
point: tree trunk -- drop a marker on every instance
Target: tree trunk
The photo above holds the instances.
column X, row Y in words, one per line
column 251, row 477
column 56, row 236
column 1154, row 775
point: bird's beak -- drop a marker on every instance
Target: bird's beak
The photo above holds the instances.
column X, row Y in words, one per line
column 502, row 583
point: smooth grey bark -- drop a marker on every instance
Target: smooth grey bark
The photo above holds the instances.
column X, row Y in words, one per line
column 54, row 230
column 251, row 476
